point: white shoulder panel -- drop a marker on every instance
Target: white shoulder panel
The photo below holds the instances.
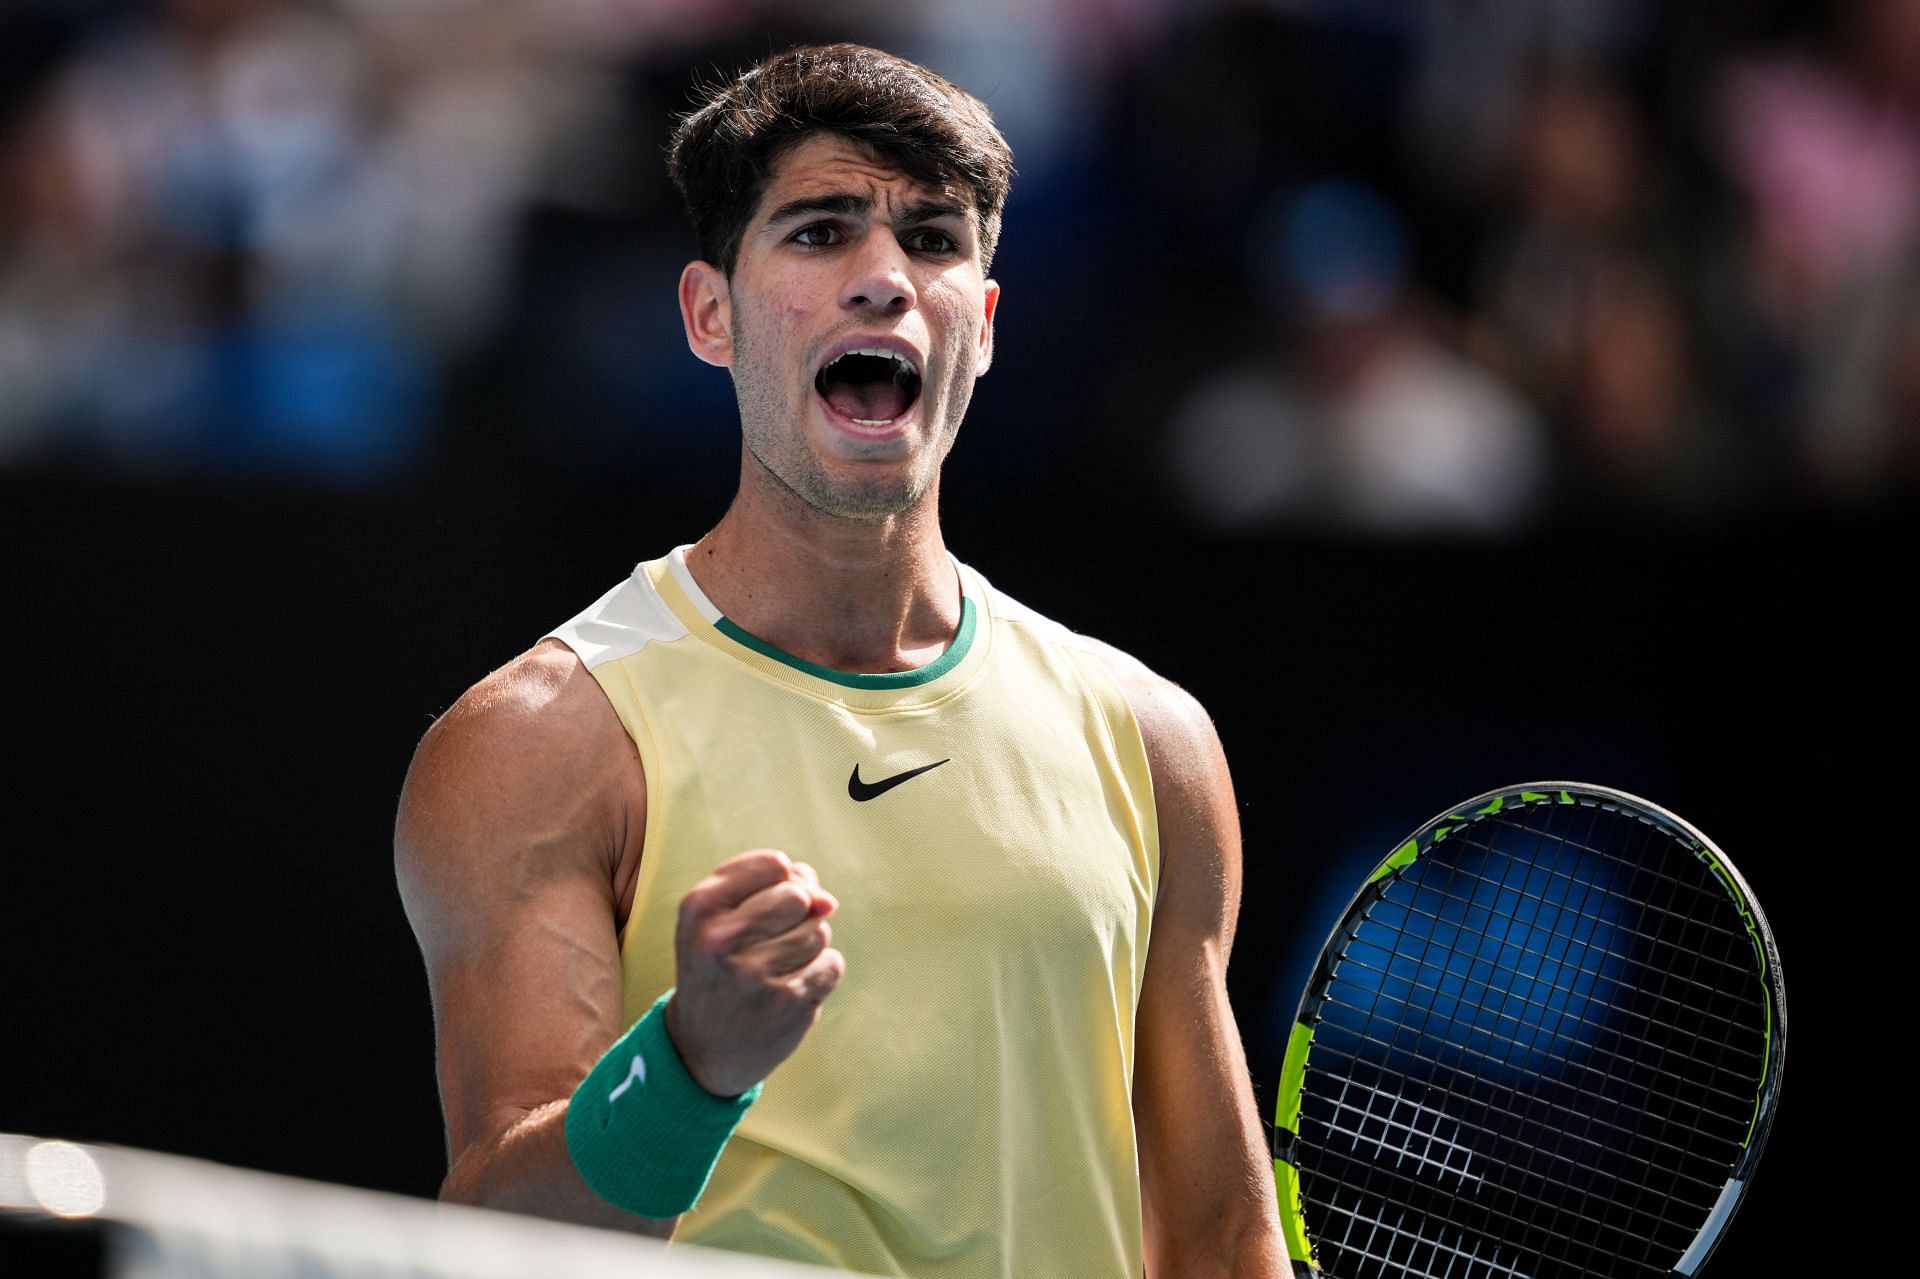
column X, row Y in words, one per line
column 1007, row 609
column 620, row 623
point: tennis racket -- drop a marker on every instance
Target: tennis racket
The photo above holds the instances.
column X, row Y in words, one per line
column 1545, row 1040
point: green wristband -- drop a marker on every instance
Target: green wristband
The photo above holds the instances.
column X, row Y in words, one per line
column 642, row 1131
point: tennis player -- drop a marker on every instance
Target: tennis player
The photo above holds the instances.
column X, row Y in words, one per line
column 806, row 896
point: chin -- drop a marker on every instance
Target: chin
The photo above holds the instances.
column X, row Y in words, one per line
column 865, row 502
column 841, row 489
column 851, row 480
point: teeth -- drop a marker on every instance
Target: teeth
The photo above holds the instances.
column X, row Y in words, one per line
column 882, row 353
column 865, row 421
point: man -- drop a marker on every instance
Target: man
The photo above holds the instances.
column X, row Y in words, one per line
column 1010, row 1052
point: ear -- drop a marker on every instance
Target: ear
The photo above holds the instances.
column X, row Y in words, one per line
column 706, row 311
column 985, row 360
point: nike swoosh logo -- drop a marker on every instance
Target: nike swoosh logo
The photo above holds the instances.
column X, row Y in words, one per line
column 861, row 791
column 636, row 1071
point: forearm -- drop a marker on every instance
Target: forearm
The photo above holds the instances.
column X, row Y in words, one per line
column 1207, row 1183
column 1240, row 1245
column 527, row 1168
column 1218, row 1221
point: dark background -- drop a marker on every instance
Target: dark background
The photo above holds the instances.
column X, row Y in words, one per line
column 268, row 507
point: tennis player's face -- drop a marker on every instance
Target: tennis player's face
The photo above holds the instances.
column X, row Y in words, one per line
column 855, row 322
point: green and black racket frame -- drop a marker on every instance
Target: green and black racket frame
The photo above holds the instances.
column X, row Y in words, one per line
column 1545, row 1040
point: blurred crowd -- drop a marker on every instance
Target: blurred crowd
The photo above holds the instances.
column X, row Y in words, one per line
column 1454, row 266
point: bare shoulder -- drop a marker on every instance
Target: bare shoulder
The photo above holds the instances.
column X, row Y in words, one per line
column 529, row 772
column 1183, row 748
column 541, row 713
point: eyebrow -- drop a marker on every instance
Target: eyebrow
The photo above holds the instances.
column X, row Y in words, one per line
column 846, row 204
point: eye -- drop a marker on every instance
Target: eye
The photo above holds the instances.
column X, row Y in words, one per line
column 817, row 235
column 932, row 240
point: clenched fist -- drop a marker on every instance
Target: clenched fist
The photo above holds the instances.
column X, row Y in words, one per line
column 753, row 966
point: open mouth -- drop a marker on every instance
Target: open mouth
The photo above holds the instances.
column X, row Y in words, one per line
column 872, row 386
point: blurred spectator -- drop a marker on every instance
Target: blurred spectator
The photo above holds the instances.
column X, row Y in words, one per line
column 358, row 242
column 1573, row 302
column 1824, row 139
column 1367, row 421
column 1468, row 97
column 253, row 232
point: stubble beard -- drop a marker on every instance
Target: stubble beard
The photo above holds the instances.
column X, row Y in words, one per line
column 783, row 453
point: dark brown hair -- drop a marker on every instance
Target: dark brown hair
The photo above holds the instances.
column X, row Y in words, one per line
column 916, row 121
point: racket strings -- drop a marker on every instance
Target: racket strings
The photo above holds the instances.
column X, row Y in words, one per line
column 1598, row 1007
column 1530, row 1231
column 1511, row 1221
column 1541, row 1109
column 1492, row 1109
column 1531, row 1171
column 1412, row 1242
column 1653, row 1024
column 1525, row 1163
column 1587, row 1194
column 1733, row 966
column 1529, row 1002
column 1464, row 1173
column 1736, row 1017
column 1533, row 1164
column 1719, row 1045
column 1712, row 895
column 1645, row 833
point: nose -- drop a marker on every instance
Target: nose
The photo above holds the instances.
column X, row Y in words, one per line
column 879, row 280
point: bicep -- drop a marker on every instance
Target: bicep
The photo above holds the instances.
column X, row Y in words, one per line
column 503, row 859
column 524, row 1002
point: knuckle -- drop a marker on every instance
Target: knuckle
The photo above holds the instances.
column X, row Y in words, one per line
column 698, row 901
column 712, row 937
column 768, row 860
column 805, row 944
column 776, row 907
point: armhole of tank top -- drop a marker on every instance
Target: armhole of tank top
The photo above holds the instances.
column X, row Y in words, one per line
column 653, row 777
column 638, row 617
column 652, row 771
column 1127, row 739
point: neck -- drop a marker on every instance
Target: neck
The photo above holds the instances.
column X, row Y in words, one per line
column 867, row 596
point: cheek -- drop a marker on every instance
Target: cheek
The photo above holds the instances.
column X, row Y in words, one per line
column 961, row 311
column 782, row 306
column 962, row 315
column 797, row 295
column 965, row 345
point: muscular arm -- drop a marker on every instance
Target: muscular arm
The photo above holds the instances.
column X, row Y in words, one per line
column 1206, row 1182
column 523, row 802
column 523, row 813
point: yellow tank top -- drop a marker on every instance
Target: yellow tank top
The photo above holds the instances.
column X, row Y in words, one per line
column 963, row 1107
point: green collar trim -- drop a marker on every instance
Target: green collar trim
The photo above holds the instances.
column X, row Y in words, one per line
column 956, row 651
